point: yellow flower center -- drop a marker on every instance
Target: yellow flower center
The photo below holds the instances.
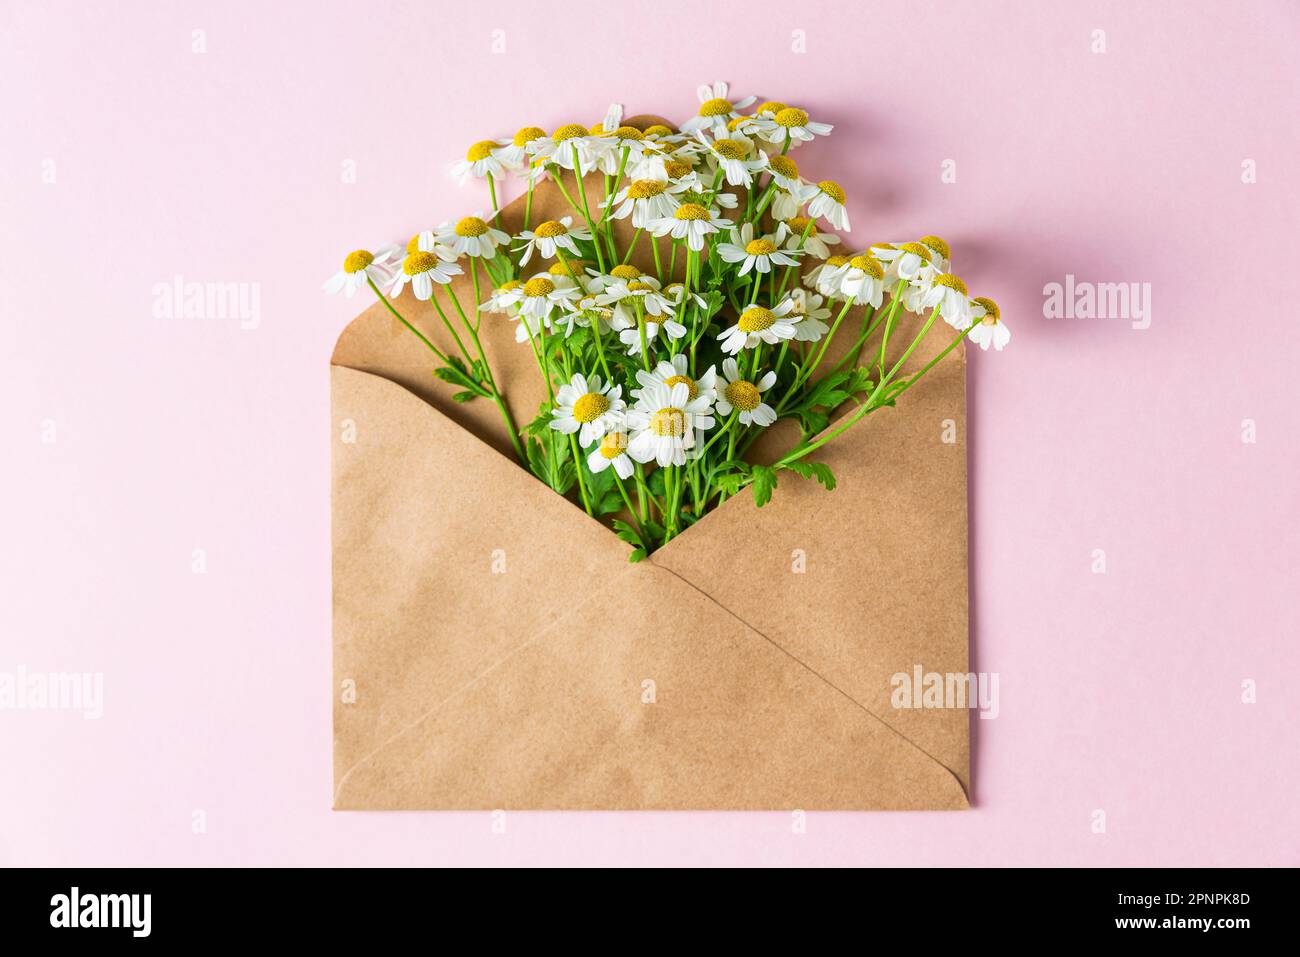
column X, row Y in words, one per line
column 797, row 224
column 414, row 245
column 691, row 211
column 883, row 246
column 622, row 271
column 731, row 149
column 743, row 395
column 471, row 226
column 791, row 116
column 590, row 407
column 636, row 285
column 613, row 445
column 991, row 311
column 760, row 247
column 568, row 132
column 480, row 151
column 419, row 262
column 833, row 190
column 658, row 129
column 915, row 249
column 560, row 269
column 629, row 133
column 645, row 188
column 511, row 284
column 528, row 134
column 550, row 229
column 715, row 107
column 676, row 168
column 784, row 165
column 692, row 390
column 868, row 266
column 668, row 422
column 357, row 260
column 951, row 281
column 539, row 286
column 770, row 106
column 755, row 319
column 938, row 245
column 738, row 122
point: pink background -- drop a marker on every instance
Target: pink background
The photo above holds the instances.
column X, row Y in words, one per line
column 1119, row 691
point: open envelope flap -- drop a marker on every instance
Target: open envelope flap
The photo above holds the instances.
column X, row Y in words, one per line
column 647, row 695
column 446, row 557
column 869, row 580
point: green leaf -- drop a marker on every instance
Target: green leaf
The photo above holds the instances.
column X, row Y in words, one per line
column 814, row 470
column 763, row 480
column 636, row 555
column 465, row 396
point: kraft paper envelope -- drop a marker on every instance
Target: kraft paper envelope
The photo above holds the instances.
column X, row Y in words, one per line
column 501, row 652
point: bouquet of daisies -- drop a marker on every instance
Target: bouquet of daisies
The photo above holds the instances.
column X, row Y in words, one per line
column 693, row 297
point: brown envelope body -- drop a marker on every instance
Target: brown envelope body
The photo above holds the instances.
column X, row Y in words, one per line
column 505, row 654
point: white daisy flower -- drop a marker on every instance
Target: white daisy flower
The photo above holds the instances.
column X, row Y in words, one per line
column 583, row 314
column 759, row 254
column 472, row 236
column 829, row 202
column 794, row 123
column 360, row 265
column 812, row 313
column 715, row 110
column 530, row 327
column 584, row 407
column 570, row 274
column 550, row 236
column 563, row 143
column 642, row 288
column 989, row 329
column 786, row 203
column 735, row 155
column 631, row 336
column 691, row 222
column 825, row 277
column 515, row 153
column 422, row 269
column 758, row 324
column 645, row 200
column 947, row 293
column 940, row 253
column 863, row 278
column 761, row 120
column 790, row 233
column 616, row 142
column 676, row 370
column 480, row 161
column 504, row 297
column 540, row 296
column 612, row 450
column 744, row 396
column 599, row 281
column 905, row 261
column 679, row 297
column 663, row 424
column 661, row 162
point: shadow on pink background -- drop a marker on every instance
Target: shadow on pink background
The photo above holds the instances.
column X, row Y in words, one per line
column 132, row 441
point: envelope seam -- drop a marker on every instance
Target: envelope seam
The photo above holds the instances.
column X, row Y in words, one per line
column 817, row 674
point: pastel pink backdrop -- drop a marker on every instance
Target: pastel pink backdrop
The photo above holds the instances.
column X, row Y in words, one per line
column 1119, row 691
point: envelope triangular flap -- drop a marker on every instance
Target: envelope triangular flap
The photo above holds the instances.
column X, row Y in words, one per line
column 446, row 557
